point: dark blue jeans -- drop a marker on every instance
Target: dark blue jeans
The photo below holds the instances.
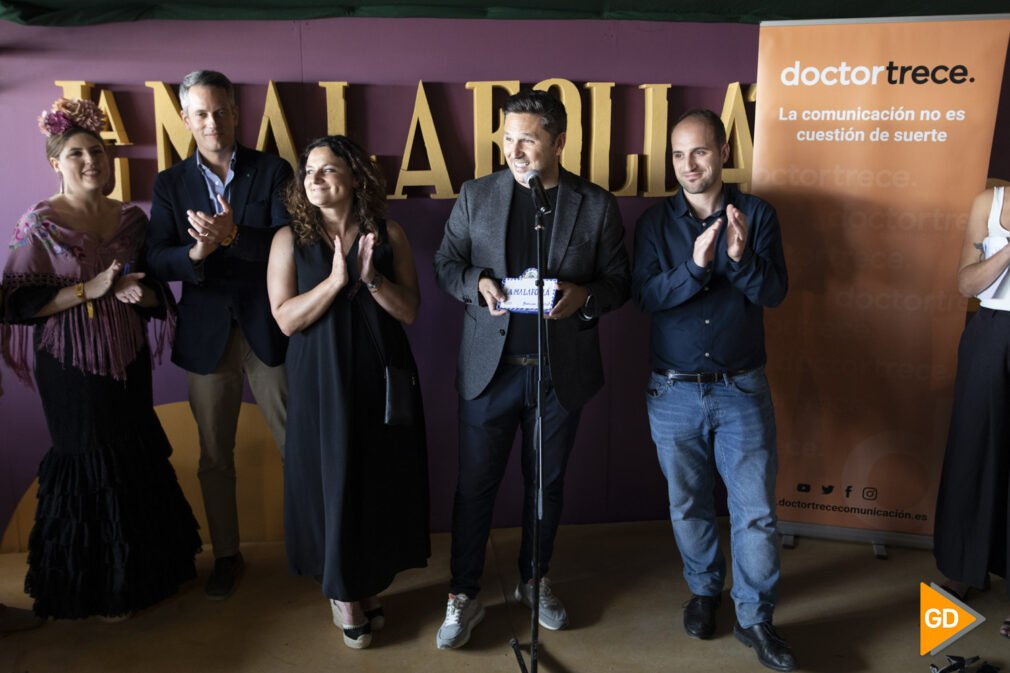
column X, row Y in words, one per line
column 487, row 428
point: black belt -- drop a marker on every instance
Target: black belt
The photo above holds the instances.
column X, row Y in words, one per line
column 700, row 377
column 521, row 360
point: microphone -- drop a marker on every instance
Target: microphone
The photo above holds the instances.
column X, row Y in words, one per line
column 536, row 185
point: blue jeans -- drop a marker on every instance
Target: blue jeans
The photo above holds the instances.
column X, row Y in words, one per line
column 727, row 426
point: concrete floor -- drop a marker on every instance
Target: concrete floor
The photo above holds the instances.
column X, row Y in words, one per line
column 841, row 609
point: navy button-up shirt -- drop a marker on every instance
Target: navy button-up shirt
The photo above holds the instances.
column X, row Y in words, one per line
column 707, row 319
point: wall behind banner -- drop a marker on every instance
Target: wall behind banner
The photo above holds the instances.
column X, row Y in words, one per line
column 613, row 474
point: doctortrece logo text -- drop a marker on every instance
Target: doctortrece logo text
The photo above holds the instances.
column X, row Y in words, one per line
column 844, row 74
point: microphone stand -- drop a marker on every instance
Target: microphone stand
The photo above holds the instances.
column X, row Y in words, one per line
column 538, row 436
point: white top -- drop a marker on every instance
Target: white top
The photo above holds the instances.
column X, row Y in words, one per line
column 997, row 295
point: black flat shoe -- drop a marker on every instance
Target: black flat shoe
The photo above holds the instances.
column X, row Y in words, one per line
column 771, row 650
column 959, row 595
column 699, row 616
column 947, row 585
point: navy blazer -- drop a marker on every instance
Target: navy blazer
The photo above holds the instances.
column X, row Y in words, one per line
column 229, row 286
column 586, row 247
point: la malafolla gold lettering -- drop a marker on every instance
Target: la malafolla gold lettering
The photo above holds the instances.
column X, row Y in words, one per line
column 646, row 173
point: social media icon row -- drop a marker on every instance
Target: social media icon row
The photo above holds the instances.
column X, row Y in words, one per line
column 868, row 492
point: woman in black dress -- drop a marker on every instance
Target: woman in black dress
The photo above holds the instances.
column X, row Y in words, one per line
column 341, row 281
column 113, row 532
column 971, row 535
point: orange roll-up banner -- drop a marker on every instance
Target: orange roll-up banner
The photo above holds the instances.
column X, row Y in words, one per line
column 872, row 138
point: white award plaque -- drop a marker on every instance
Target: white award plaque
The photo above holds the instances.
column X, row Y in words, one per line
column 521, row 293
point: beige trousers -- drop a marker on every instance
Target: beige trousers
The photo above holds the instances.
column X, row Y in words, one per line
column 215, row 400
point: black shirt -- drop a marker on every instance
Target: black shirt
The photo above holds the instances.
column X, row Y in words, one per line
column 521, row 254
column 707, row 319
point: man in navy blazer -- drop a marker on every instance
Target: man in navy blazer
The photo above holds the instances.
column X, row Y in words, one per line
column 213, row 217
column 490, row 236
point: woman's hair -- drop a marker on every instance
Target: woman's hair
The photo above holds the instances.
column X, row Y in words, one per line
column 56, row 142
column 369, row 200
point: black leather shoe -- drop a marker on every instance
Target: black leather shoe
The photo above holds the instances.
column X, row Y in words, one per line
column 772, row 651
column 699, row 616
column 224, row 578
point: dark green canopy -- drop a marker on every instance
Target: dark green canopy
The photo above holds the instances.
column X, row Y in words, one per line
column 85, row 12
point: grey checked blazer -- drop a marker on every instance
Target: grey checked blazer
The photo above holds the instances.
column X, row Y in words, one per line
column 587, row 247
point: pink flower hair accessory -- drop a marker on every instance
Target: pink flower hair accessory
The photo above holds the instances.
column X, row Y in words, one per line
column 68, row 113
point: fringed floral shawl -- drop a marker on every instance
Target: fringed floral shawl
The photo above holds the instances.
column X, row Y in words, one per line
column 46, row 253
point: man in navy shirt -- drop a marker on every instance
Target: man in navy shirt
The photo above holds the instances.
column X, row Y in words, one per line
column 707, row 262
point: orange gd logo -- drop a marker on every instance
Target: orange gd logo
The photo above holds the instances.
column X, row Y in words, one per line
column 942, row 619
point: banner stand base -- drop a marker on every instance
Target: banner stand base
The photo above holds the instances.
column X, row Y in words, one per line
column 791, row 530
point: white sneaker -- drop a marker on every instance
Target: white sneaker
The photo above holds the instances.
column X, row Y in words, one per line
column 462, row 613
column 553, row 615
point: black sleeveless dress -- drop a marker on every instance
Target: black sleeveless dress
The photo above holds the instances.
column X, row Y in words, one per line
column 355, row 489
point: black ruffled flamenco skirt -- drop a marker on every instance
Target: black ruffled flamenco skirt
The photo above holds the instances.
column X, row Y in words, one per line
column 113, row 532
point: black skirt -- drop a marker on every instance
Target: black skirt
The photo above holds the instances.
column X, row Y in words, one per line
column 970, row 534
column 113, row 532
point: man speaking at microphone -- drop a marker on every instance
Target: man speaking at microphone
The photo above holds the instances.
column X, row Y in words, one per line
column 490, row 236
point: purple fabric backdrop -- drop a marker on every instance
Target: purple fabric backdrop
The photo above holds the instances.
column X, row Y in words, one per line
column 613, row 475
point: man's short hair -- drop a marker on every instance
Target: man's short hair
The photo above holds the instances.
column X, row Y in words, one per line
column 204, row 78
column 553, row 117
column 708, row 118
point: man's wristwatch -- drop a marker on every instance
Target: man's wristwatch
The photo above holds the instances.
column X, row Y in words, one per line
column 230, row 238
column 375, row 283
